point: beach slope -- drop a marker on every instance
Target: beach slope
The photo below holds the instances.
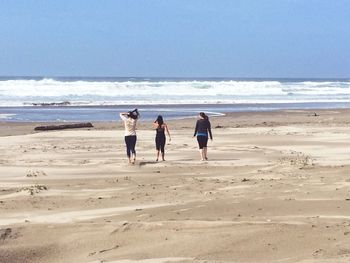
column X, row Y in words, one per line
column 276, row 188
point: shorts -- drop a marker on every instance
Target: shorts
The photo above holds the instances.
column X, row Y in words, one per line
column 202, row 141
column 160, row 143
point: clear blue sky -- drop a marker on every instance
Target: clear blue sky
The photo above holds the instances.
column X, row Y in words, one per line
column 175, row 38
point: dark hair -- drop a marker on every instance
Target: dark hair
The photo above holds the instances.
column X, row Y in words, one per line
column 134, row 114
column 204, row 116
column 159, row 120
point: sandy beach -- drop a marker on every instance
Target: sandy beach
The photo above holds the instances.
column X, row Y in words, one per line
column 276, row 188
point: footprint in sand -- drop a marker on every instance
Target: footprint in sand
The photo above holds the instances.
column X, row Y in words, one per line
column 5, row 233
column 35, row 173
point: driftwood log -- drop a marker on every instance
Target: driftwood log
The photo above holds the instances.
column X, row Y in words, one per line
column 44, row 104
column 64, row 126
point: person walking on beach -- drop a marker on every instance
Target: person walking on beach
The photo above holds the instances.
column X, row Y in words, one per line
column 203, row 127
column 130, row 119
column 160, row 126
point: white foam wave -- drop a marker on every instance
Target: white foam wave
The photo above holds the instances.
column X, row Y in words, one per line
column 4, row 116
column 51, row 88
column 82, row 92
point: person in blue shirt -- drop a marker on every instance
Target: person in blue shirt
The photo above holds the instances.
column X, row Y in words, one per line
column 203, row 128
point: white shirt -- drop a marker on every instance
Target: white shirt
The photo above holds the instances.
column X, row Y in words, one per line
column 130, row 125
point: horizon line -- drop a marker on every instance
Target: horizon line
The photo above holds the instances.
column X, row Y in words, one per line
column 173, row 77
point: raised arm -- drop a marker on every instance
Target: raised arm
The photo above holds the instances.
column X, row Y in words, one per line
column 123, row 116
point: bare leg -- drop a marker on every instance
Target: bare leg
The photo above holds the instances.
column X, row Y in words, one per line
column 205, row 152
column 201, row 154
column 157, row 156
column 133, row 158
column 162, row 149
column 129, row 158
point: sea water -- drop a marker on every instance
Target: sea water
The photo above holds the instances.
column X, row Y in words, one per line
column 100, row 99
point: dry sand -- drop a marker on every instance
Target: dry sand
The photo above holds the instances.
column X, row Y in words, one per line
column 276, row 189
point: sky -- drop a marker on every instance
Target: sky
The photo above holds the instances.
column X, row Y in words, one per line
column 175, row 38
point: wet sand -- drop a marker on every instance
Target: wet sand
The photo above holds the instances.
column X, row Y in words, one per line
column 276, row 189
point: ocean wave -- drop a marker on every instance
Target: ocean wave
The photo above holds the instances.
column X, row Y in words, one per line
column 19, row 92
column 4, row 116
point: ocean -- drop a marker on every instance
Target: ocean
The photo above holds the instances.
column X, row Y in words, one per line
column 101, row 99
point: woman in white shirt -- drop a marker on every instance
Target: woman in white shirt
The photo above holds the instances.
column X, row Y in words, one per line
column 130, row 119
